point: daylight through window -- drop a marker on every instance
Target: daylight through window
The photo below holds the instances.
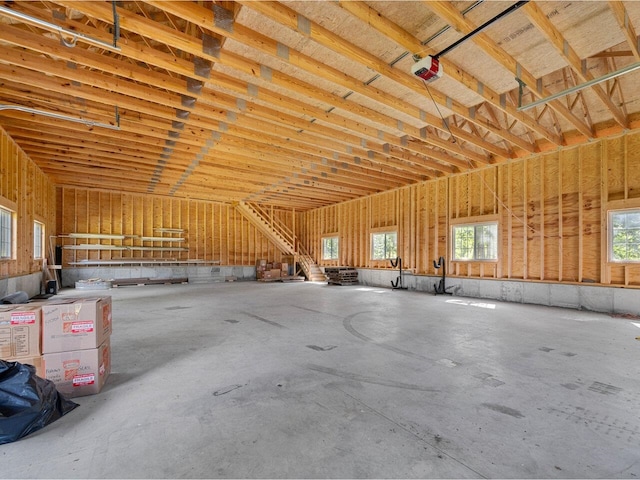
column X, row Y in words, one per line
column 38, row 240
column 475, row 241
column 6, row 233
column 384, row 245
column 330, row 248
column 624, row 235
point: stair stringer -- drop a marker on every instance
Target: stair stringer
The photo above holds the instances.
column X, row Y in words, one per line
column 283, row 237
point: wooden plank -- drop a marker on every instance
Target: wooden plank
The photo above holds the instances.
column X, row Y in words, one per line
column 591, row 187
column 555, row 37
column 205, row 19
column 30, row 196
column 632, row 163
column 570, row 214
column 517, row 220
column 450, row 13
column 610, row 159
column 551, row 215
column 622, row 17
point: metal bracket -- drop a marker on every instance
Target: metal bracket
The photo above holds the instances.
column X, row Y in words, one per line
column 521, row 86
column 440, row 288
column 116, row 25
column 398, row 283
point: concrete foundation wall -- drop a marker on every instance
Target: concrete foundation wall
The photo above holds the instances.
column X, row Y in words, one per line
column 195, row 274
column 583, row 297
column 32, row 284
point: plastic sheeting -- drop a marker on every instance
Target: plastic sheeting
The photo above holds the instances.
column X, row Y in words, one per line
column 27, row 402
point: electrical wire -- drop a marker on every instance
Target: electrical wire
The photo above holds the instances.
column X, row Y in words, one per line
column 444, row 122
column 487, row 186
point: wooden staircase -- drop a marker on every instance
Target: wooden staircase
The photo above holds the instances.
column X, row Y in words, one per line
column 283, row 237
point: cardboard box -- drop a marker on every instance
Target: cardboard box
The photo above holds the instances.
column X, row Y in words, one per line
column 275, row 273
column 35, row 361
column 79, row 372
column 20, row 327
column 75, row 323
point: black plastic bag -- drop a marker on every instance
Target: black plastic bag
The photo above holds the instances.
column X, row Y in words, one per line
column 27, row 402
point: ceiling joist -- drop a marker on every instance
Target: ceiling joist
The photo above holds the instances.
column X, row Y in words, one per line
column 304, row 104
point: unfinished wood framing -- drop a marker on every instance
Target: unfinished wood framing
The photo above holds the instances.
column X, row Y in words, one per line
column 307, row 114
column 208, row 231
column 26, row 190
column 551, row 208
column 308, row 104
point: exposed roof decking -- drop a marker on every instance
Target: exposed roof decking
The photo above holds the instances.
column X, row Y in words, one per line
column 306, row 104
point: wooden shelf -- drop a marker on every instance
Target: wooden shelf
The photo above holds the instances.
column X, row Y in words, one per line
column 115, row 244
column 158, row 249
column 100, row 246
column 96, row 236
column 141, row 261
column 93, row 246
column 162, row 239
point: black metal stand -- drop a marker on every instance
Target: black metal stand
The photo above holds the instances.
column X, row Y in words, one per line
column 439, row 288
column 397, row 285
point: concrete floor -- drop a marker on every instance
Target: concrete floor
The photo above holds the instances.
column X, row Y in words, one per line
column 305, row 380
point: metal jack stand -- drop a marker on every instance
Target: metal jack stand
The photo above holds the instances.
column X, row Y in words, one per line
column 439, row 288
column 397, row 285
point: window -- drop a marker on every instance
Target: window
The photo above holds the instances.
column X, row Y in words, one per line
column 6, row 233
column 475, row 241
column 384, row 245
column 624, row 235
column 38, row 240
column 330, row 248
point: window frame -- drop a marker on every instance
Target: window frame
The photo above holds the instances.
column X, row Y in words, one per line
column 384, row 231
column 9, row 208
column 41, row 254
column 610, row 233
column 481, row 221
column 331, row 237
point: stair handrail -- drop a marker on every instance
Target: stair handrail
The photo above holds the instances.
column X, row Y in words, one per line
column 285, row 233
column 305, row 258
column 282, row 229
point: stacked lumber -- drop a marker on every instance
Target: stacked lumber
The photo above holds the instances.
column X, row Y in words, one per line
column 282, row 279
column 342, row 275
column 121, row 282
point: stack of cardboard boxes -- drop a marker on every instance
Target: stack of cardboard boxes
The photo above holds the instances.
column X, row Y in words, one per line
column 66, row 339
column 20, row 335
column 272, row 270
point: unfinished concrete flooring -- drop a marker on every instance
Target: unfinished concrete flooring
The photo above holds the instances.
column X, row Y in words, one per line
column 313, row 381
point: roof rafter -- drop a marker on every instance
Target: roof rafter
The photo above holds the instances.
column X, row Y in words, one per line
column 206, row 19
column 451, row 15
column 622, row 17
column 540, row 20
column 367, row 113
column 368, row 15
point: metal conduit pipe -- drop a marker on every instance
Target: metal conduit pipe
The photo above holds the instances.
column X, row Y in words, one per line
column 590, row 83
column 58, row 116
column 57, row 28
